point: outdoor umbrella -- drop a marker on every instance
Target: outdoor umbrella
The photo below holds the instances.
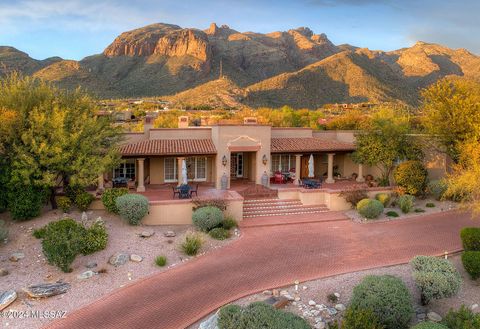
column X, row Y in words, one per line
column 184, row 172
column 310, row 167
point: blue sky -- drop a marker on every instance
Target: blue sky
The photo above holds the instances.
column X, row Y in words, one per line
column 74, row 29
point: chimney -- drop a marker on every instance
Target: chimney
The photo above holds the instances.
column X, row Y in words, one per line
column 250, row 121
column 147, row 125
column 183, row 121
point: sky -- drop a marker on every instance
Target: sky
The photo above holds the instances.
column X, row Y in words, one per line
column 74, row 29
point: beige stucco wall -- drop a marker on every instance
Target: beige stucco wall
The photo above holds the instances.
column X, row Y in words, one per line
column 132, row 138
column 181, row 133
column 291, row 132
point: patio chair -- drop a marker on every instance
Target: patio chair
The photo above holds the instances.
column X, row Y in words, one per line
column 131, row 184
column 175, row 192
column 194, row 191
column 278, row 178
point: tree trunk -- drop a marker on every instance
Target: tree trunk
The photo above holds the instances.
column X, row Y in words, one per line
column 53, row 201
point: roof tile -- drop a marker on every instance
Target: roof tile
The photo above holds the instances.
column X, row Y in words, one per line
column 169, row 147
column 309, row 144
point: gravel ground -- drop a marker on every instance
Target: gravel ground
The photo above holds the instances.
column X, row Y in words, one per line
column 34, row 269
column 318, row 290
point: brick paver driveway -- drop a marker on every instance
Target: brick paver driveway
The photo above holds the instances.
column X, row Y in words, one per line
column 267, row 257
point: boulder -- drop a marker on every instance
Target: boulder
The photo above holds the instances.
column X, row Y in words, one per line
column 47, row 289
column 312, row 303
column 136, row 258
column 118, row 259
column 86, row 275
column 16, row 256
column 169, row 234
column 146, row 234
column 210, row 323
column 6, row 298
column 3, row 272
column 340, row 307
column 434, row 317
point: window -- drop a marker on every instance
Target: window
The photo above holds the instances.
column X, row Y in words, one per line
column 275, row 163
column 170, row 169
column 196, row 169
column 282, row 162
column 201, row 168
column 126, row 169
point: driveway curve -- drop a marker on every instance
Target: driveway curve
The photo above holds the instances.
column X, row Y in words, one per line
column 264, row 258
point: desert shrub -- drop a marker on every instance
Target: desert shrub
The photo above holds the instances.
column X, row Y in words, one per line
column 219, row 233
column 95, row 238
column 132, row 207
column 258, row 315
column 64, row 203
column 412, row 176
column 25, row 202
column 332, row 298
column 388, row 297
column 3, row 231
column 217, row 203
column 430, row 205
column 72, row 190
column 84, row 200
column 406, row 203
column 471, row 238
column 429, row 325
column 206, row 218
column 354, row 196
column 419, row 210
column 435, row 278
column 192, row 244
column 384, row 198
column 392, row 213
column 360, row 319
column 109, row 197
column 437, row 189
column 229, row 222
column 464, row 318
column 471, row 263
column 370, row 208
column 161, row 261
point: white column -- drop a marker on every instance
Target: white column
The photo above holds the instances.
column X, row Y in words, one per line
column 141, row 175
column 298, row 168
column 179, row 170
column 330, row 169
column 360, row 177
column 100, row 187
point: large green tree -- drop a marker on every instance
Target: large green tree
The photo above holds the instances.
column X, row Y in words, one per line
column 58, row 138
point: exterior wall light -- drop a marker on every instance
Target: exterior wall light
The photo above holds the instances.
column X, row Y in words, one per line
column 264, row 159
column 224, row 161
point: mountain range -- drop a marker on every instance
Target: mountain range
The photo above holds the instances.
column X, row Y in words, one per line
column 223, row 67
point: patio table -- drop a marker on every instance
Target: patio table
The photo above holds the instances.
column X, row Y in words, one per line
column 184, row 192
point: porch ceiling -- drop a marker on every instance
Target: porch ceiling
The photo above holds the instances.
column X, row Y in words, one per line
column 169, row 147
column 308, row 144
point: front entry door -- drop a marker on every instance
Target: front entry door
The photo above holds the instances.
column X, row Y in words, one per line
column 304, row 162
column 236, row 165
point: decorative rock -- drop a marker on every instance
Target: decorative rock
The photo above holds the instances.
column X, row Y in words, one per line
column 118, row 259
column 16, row 256
column 86, row 275
column 434, row 317
column 47, row 289
column 210, row 323
column 289, row 297
column 91, row 264
column 332, row 311
column 6, row 298
column 3, row 272
column 297, row 299
column 267, row 292
column 336, row 294
column 281, row 302
column 283, row 292
column 473, row 307
column 312, row 303
column 84, row 216
column 275, row 292
column 169, row 234
column 136, row 258
column 320, row 325
column 146, row 234
column 340, row 307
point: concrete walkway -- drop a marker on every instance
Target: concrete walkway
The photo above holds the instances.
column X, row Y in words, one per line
column 266, row 257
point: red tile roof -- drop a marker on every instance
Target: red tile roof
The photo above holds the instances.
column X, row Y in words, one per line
column 169, row 147
column 308, row 144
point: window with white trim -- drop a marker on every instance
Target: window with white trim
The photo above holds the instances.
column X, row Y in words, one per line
column 126, row 169
column 282, row 162
column 197, row 168
column 170, row 169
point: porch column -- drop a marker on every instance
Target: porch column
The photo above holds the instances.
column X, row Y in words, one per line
column 141, row 175
column 179, row 170
column 360, row 177
column 330, row 169
column 298, row 169
column 100, row 186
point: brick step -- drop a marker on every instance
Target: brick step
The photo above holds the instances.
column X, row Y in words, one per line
column 289, row 209
column 263, row 201
column 273, row 206
column 286, row 213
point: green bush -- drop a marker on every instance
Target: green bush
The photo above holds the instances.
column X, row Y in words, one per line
column 217, row 203
column 384, row 198
column 3, row 231
column 370, row 208
column 429, row 325
column 132, row 207
column 161, row 261
column 464, row 318
column 219, row 233
column 192, row 244
column 206, row 218
column 95, row 238
column 388, row 297
column 109, row 197
column 435, row 278
column 411, row 176
column 354, row 196
column 437, row 189
column 229, row 222
column 25, row 202
column 470, row 238
column 64, row 203
column 430, row 205
column 84, row 200
column 258, row 315
column 406, row 203
column 471, row 263
column 72, row 190
column 392, row 213
column 360, row 319
column 419, row 210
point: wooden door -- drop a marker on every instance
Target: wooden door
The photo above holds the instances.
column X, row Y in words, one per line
column 304, row 166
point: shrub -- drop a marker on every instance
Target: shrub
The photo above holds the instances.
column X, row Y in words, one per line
column 25, row 202
column 360, row 319
column 354, row 196
column 430, row 205
column 437, row 189
column 64, row 203
column 219, row 233
column 412, row 176
column 429, row 325
column 110, row 196
column 3, row 231
column 464, row 318
column 258, row 315
column 72, row 190
column 471, row 263
column 161, row 261
column 435, row 278
column 217, row 203
column 192, row 244
column 471, row 238
column 406, row 202
column 332, row 298
column 419, row 210
column 388, row 297
column 83, row 200
column 95, row 239
column 206, row 218
column 370, row 208
column 132, row 207
column 384, row 198
column 229, row 222
column 392, row 213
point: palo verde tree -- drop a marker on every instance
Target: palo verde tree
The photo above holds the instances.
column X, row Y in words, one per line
column 58, row 138
column 384, row 140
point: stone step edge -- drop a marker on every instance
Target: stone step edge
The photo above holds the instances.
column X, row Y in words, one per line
column 298, row 206
column 285, row 214
column 294, row 210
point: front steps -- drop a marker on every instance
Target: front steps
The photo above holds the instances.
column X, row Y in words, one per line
column 276, row 207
